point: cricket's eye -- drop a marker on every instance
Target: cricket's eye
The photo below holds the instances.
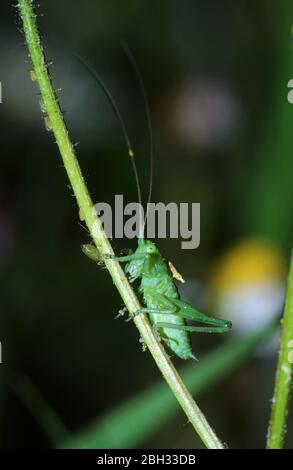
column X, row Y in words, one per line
column 150, row 249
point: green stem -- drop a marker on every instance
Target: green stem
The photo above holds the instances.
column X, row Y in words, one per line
column 57, row 124
column 277, row 428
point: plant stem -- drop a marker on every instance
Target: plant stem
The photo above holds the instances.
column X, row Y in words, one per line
column 57, row 124
column 283, row 383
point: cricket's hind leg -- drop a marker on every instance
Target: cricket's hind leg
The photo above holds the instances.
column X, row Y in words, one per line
column 188, row 312
column 192, row 329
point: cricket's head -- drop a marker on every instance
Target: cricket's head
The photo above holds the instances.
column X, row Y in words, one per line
column 145, row 249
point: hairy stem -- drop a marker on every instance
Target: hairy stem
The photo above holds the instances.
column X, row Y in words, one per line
column 57, row 124
column 283, row 383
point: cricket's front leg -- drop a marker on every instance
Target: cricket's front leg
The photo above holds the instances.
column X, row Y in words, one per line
column 92, row 252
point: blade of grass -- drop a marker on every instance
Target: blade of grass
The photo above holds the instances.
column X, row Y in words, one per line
column 56, row 123
column 40, row 409
column 283, row 383
column 132, row 423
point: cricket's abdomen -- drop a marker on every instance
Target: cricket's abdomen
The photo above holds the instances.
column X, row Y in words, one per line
column 161, row 281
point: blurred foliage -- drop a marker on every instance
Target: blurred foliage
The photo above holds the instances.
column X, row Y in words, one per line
column 216, row 74
column 130, row 424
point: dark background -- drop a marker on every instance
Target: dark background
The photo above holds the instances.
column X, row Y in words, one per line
column 216, row 75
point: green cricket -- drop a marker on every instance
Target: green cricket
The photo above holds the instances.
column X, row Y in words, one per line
column 161, row 299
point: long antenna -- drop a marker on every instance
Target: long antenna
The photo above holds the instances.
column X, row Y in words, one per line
column 115, row 108
column 148, row 116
